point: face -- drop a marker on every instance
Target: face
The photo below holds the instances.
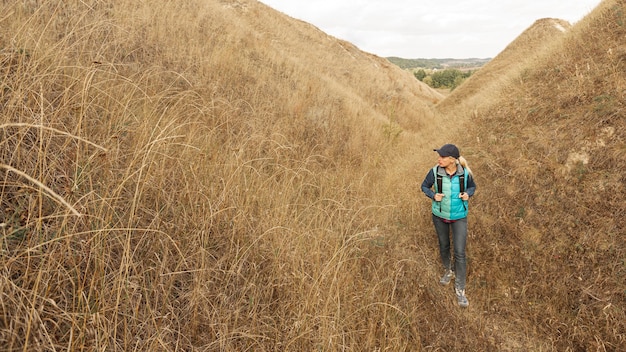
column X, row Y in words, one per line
column 445, row 161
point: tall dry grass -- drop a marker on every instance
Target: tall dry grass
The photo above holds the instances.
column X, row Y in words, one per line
column 171, row 183
column 552, row 153
column 212, row 175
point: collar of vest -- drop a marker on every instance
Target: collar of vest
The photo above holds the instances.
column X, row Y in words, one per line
column 442, row 171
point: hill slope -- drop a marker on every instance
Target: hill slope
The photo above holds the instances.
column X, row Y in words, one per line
column 517, row 56
column 347, row 70
column 195, row 175
column 551, row 151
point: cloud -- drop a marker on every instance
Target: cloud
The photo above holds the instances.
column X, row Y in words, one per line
column 427, row 29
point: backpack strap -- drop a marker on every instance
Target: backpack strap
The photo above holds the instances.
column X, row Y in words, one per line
column 438, row 183
column 462, row 182
column 439, row 178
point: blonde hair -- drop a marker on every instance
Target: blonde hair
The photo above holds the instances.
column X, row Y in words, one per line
column 461, row 160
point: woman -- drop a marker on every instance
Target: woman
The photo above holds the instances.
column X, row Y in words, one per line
column 453, row 186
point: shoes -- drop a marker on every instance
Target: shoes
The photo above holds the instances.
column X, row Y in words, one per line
column 461, row 298
column 447, row 277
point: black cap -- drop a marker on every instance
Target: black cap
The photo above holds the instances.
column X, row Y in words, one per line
column 448, row 150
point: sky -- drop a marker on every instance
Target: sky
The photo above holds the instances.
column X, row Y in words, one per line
column 414, row 29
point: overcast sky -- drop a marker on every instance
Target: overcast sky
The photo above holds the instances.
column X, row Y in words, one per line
column 430, row 28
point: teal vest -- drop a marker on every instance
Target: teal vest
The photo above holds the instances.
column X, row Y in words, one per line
column 451, row 206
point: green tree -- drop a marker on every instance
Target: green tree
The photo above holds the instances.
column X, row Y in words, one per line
column 449, row 78
column 445, row 78
column 420, row 74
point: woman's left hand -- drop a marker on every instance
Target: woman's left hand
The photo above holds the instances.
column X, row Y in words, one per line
column 464, row 196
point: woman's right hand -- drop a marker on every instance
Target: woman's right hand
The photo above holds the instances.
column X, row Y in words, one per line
column 439, row 197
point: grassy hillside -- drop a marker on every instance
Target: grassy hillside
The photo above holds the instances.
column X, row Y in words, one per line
column 195, row 175
column 485, row 84
column 551, row 153
column 216, row 176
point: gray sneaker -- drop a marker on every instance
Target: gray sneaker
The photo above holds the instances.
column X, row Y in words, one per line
column 447, row 277
column 461, row 298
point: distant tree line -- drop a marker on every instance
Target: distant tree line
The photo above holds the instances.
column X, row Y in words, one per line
column 413, row 63
column 439, row 64
column 448, row 78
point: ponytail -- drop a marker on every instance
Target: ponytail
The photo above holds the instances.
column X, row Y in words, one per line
column 463, row 163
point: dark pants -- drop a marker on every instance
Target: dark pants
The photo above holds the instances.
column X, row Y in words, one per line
column 459, row 239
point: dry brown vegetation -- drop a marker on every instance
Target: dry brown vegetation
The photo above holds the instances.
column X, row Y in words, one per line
column 216, row 176
column 553, row 153
column 484, row 86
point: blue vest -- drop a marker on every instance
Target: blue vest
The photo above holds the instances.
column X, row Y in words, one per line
column 451, row 207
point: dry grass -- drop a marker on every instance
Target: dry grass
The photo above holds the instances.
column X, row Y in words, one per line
column 552, row 152
column 246, row 182
column 482, row 89
column 230, row 208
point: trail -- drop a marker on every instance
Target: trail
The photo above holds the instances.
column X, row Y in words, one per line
column 445, row 323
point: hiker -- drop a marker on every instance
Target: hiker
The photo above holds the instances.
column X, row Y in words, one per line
column 453, row 186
